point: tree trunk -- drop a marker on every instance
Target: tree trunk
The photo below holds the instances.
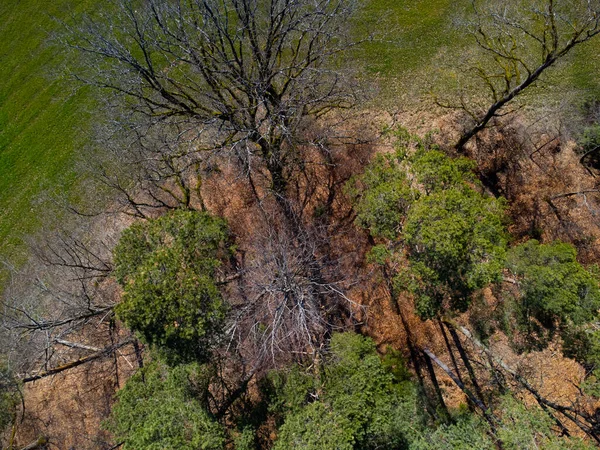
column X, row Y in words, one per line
column 491, row 419
column 450, row 351
column 497, row 106
column 568, row 412
column 105, row 352
column 237, row 393
column 467, row 363
column 436, row 386
column 39, row 443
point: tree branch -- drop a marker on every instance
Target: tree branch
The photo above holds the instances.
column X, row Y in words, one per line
column 104, row 352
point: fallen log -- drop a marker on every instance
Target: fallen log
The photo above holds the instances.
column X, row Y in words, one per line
column 78, row 362
column 567, row 411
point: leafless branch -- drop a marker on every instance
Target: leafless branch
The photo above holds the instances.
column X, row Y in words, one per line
column 520, row 41
column 193, row 78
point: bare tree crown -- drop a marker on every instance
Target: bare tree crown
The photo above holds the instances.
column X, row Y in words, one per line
column 519, row 41
column 244, row 71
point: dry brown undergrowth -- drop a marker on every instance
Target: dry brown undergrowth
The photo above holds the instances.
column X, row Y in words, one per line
column 69, row 407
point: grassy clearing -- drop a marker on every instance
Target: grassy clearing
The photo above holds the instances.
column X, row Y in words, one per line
column 407, row 34
column 43, row 119
column 584, row 73
column 409, row 37
column 415, row 38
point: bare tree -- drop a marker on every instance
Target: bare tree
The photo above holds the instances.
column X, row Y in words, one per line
column 143, row 172
column 519, row 41
column 238, row 76
column 578, row 411
column 293, row 297
column 59, row 307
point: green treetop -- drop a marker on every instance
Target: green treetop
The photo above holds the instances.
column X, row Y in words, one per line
column 357, row 401
column 455, row 242
column 168, row 268
column 556, row 293
column 159, row 409
column 431, row 208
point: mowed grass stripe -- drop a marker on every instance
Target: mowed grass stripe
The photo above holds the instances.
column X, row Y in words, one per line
column 44, row 119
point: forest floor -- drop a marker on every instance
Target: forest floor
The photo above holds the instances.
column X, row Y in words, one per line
column 75, row 417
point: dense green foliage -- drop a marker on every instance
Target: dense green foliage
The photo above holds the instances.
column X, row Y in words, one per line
column 466, row 433
column 167, row 267
column 385, row 196
column 556, row 292
column 356, row 402
column 453, row 236
column 392, row 183
column 456, row 243
column 590, row 138
column 159, row 409
column 519, row 428
column 531, row 428
column 351, row 398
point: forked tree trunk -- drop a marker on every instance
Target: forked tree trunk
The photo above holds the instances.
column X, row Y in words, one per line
column 466, row 361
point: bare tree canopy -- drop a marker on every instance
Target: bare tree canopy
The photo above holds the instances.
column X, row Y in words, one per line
column 294, row 297
column 519, row 41
column 61, row 301
column 236, row 75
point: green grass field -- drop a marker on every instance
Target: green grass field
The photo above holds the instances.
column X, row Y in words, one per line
column 45, row 119
column 407, row 34
column 411, row 35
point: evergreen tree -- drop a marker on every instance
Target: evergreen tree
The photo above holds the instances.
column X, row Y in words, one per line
column 443, row 236
column 159, row 409
column 556, row 293
column 356, row 402
column 168, row 268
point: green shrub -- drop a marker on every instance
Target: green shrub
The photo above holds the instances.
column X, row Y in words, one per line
column 168, row 267
column 590, row 138
column 159, row 409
